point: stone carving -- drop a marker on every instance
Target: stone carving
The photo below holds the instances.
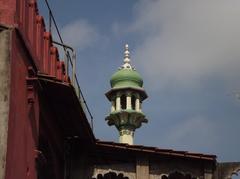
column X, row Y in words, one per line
column 111, row 175
column 227, row 169
column 127, row 170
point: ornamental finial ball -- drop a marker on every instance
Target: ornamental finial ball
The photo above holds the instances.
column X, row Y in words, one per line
column 126, row 57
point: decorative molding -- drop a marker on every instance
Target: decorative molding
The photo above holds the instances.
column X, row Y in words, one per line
column 126, row 132
column 126, row 169
column 31, row 85
column 228, row 169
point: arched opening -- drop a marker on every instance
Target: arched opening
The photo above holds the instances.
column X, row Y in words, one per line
column 236, row 175
column 99, row 176
column 177, row 175
column 111, row 175
column 123, row 100
column 133, row 101
column 164, row 177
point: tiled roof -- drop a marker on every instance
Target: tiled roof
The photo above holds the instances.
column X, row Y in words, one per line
column 156, row 151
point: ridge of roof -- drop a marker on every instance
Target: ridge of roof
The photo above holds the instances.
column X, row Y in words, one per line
column 156, row 150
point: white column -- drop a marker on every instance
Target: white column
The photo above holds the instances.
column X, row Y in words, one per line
column 207, row 176
column 208, row 173
column 142, row 168
column 118, row 103
column 129, row 101
column 113, row 105
column 126, row 136
column 137, row 104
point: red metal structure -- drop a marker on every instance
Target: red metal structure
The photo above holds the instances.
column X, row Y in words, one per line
column 44, row 111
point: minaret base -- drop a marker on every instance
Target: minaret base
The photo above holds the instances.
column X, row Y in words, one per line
column 126, row 136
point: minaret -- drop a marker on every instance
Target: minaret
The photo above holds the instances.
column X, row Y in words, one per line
column 126, row 96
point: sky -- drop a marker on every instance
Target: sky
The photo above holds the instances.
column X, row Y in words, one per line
column 188, row 54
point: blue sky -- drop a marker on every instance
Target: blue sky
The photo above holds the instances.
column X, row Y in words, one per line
column 188, row 53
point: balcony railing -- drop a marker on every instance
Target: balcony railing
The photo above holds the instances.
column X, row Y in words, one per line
column 44, row 47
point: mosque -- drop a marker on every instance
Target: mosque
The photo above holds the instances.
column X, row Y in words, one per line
column 45, row 131
column 133, row 161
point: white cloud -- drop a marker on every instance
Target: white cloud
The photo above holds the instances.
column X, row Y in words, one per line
column 80, row 34
column 195, row 133
column 186, row 41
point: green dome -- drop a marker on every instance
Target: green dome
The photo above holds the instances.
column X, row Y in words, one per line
column 126, row 78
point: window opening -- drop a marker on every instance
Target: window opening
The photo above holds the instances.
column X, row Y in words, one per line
column 133, row 101
column 123, row 102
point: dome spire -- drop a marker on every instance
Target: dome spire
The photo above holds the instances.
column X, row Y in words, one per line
column 126, row 58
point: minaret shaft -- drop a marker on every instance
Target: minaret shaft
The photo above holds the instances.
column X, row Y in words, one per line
column 126, row 136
